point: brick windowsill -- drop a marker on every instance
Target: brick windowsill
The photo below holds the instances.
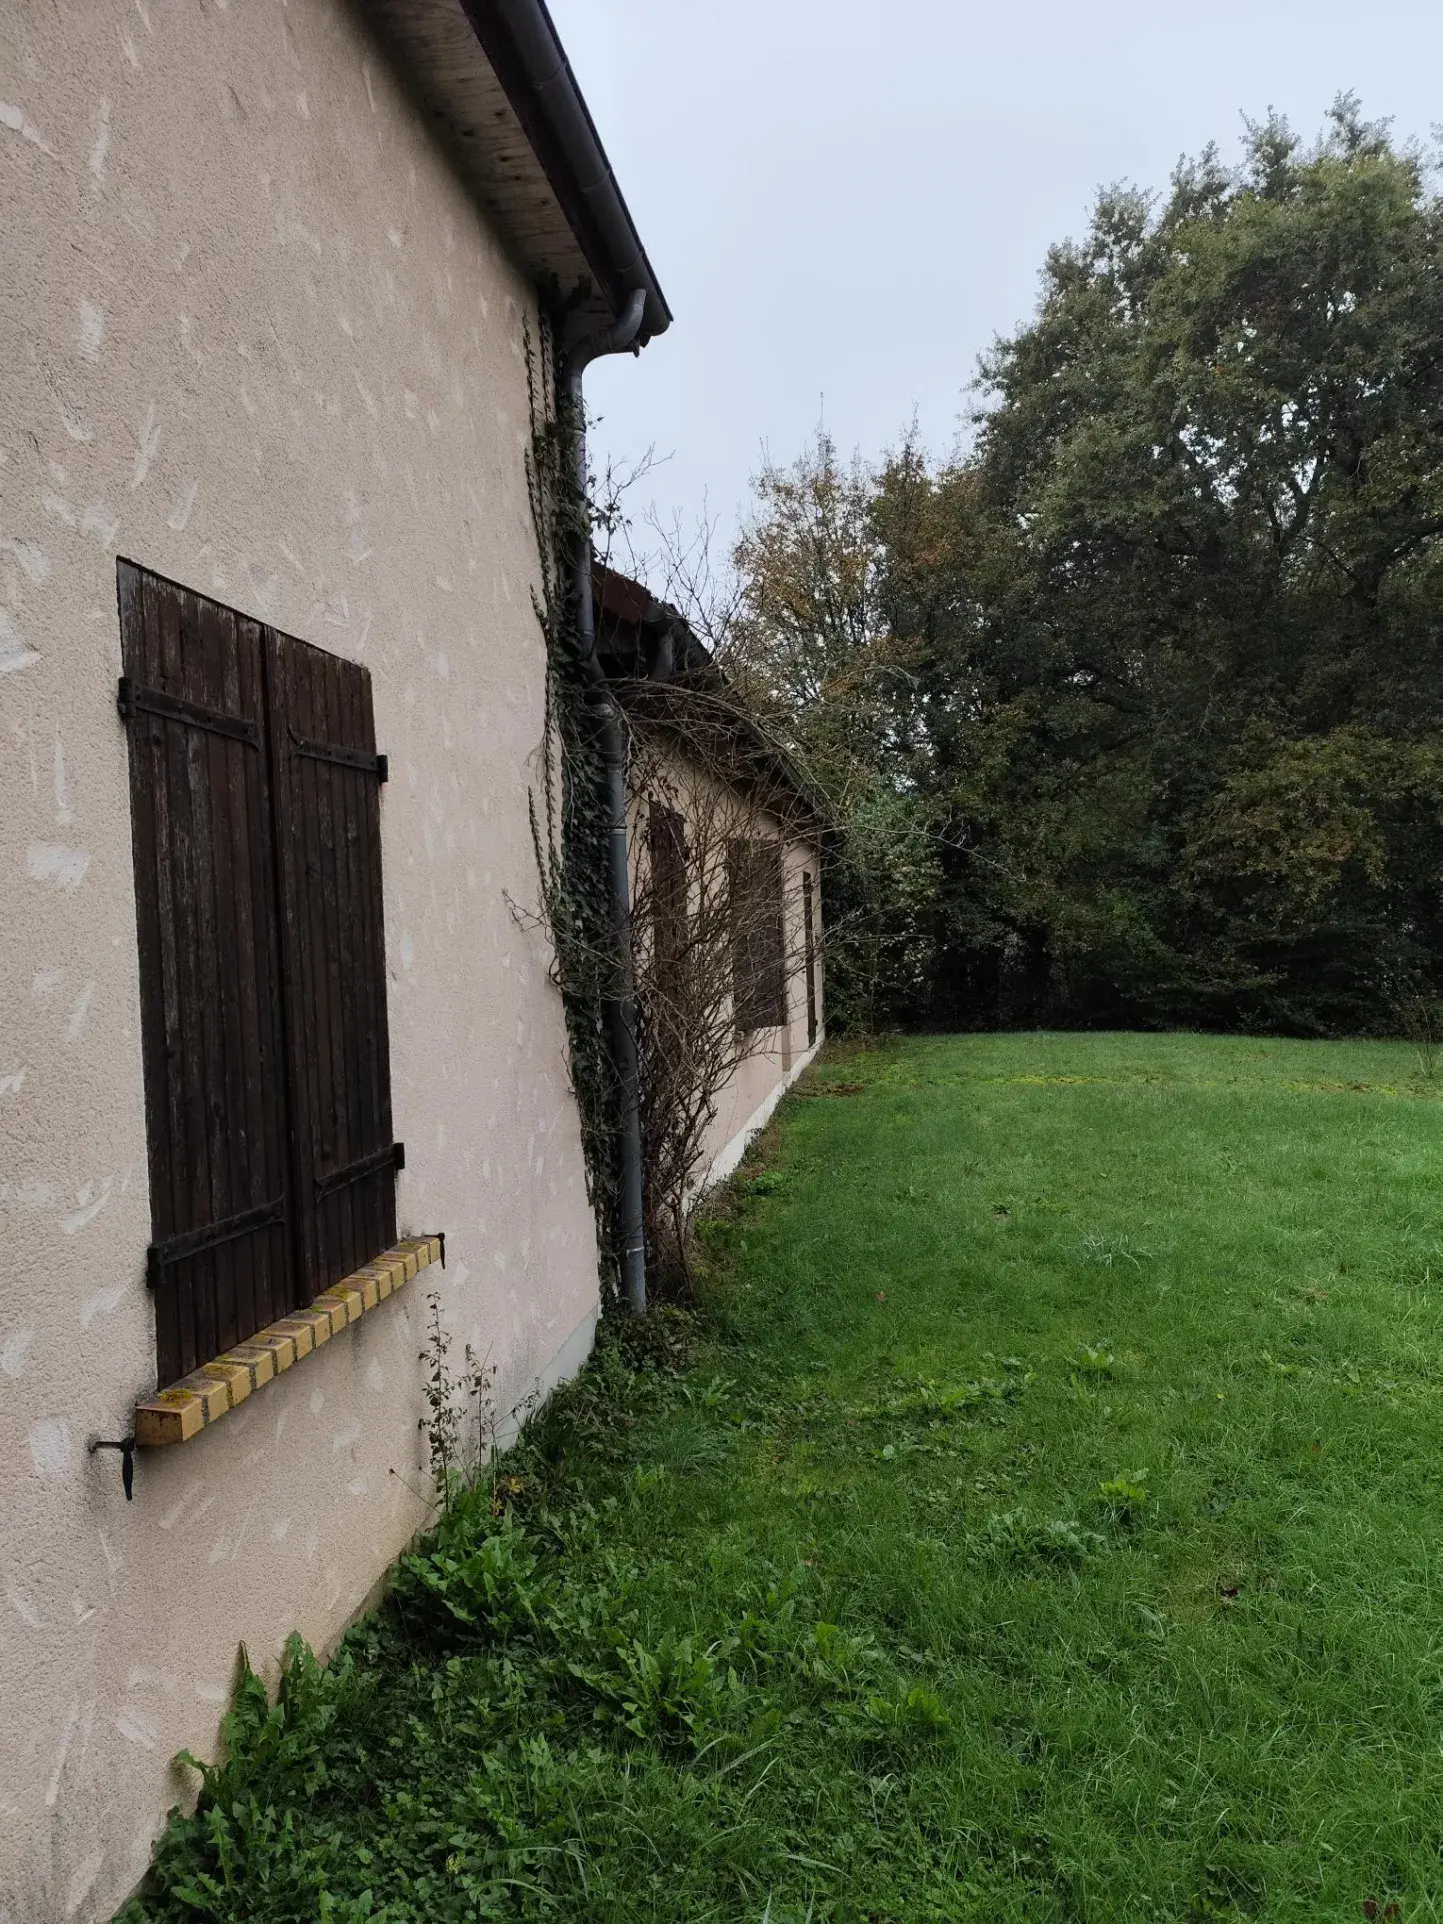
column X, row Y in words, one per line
column 176, row 1414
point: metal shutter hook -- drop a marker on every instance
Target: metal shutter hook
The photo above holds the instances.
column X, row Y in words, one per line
column 126, row 1446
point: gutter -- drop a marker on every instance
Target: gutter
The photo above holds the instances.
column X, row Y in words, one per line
column 623, row 336
column 524, row 52
column 527, row 58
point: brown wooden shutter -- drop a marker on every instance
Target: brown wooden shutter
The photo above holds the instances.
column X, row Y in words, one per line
column 758, row 937
column 666, row 852
column 809, row 939
column 211, row 1034
column 328, row 833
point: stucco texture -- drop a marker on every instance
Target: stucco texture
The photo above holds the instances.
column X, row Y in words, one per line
column 779, row 1055
column 254, row 336
column 715, row 810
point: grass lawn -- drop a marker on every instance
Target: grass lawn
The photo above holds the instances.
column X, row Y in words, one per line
column 1044, row 1520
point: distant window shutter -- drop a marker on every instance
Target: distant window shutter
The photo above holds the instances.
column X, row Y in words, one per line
column 758, row 936
column 772, row 985
column 328, row 819
column 211, row 1033
column 809, row 944
column 666, row 848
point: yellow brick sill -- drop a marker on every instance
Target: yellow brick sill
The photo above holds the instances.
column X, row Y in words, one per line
column 207, row 1394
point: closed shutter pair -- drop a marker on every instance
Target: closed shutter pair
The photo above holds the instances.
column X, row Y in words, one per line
column 666, row 850
column 255, row 813
column 754, row 881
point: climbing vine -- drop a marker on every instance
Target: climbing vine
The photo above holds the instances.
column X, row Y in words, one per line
column 707, row 806
column 568, row 808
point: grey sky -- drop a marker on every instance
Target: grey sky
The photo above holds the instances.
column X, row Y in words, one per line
column 846, row 202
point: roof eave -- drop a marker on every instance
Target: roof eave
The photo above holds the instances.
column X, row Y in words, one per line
column 525, row 52
column 493, row 79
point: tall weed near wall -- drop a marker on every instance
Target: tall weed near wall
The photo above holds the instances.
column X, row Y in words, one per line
column 482, row 1747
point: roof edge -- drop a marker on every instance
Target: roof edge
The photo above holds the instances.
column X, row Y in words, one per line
column 630, row 604
column 525, row 53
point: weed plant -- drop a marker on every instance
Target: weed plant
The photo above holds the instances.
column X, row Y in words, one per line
column 1038, row 1520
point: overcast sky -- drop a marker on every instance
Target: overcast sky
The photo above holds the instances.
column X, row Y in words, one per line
column 845, row 203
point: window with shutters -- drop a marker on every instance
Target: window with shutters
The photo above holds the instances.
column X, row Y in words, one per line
column 809, row 952
column 255, row 813
column 666, row 851
column 754, row 880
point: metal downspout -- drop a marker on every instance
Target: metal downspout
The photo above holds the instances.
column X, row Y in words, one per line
column 621, row 1008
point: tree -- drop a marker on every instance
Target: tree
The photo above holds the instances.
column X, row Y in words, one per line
column 1211, row 495
column 811, row 645
column 1132, row 712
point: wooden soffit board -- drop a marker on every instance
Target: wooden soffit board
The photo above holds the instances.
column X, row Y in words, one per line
column 434, row 49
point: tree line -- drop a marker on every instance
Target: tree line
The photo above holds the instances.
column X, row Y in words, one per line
column 1129, row 713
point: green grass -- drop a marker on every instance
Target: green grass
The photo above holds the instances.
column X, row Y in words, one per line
column 1045, row 1522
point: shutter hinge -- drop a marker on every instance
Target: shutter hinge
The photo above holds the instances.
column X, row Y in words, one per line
column 398, row 1154
column 441, row 1239
column 360, row 758
column 191, row 1242
column 132, row 698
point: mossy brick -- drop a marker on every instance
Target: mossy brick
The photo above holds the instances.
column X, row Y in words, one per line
column 384, row 1277
column 278, row 1344
column 234, row 1372
column 318, row 1321
column 345, row 1297
column 214, row 1396
column 334, row 1311
column 258, row 1358
column 300, row 1329
column 172, row 1416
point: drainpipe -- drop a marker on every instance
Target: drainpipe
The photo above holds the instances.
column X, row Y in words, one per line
column 621, row 1007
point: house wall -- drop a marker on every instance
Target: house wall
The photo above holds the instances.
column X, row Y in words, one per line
column 254, row 336
column 779, row 1055
column 716, row 812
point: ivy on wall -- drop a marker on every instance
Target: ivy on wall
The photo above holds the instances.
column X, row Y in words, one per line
column 696, row 757
column 568, row 811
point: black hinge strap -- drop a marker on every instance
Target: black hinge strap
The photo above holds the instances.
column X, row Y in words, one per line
column 346, row 757
column 393, row 1157
column 131, row 696
column 192, row 1241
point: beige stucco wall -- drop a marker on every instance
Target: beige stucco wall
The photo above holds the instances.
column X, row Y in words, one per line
column 254, row 336
column 715, row 812
column 779, row 1054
